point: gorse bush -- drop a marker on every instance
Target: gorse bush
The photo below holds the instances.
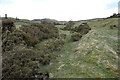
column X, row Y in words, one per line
column 76, row 36
column 30, row 40
column 70, row 24
column 7, row 25
column 21, row 62
column 11, row 39
column 41, row 31
column 28, row 35
column 21, row 59
column 83, row 28
column 50, row 46
column 55, row 45
column 18, row 37
column 48, row 50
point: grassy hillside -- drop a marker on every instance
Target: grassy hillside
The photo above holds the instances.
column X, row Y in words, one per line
column 54, row 53
column 94, row 56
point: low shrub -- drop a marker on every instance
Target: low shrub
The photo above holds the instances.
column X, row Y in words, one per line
column 7, row 25
column 54, row 45
column 113, row 26
column 30, row 40
column 70, row 24
column 21, row 62
column 83, row 28
column 76, row 37
column 17, row 37
column 63, row 36
column 41, row 31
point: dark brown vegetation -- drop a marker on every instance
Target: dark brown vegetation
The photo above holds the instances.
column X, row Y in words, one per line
column 41, row 31
column 20, row 57
column 83, row 28
column 115, row 15
column 79, row 31
column 70, row 24
column 8, row 25
column 113, row 26
column 76, row 37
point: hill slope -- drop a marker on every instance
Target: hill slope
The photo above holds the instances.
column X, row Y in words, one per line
column 55, row 53
column 94, row 56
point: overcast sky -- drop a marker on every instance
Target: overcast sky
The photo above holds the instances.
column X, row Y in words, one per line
column 58, row 9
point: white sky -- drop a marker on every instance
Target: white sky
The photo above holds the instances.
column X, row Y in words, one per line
column 58, row 9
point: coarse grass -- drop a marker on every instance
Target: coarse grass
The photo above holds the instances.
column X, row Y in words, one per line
column 94, row 56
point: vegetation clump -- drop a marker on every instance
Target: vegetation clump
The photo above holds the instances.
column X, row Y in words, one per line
column 63, row 36
column 113, row 26
column 115, row 15
column 21, row 62
column 17, row 37
column 21, row 59
column 8, row 25
column 81, row 30
column 55, row 45
column 70, row 24
column 76, row 37
column 41, row 31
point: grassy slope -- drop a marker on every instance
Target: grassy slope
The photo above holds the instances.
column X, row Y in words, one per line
column 94, row 56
